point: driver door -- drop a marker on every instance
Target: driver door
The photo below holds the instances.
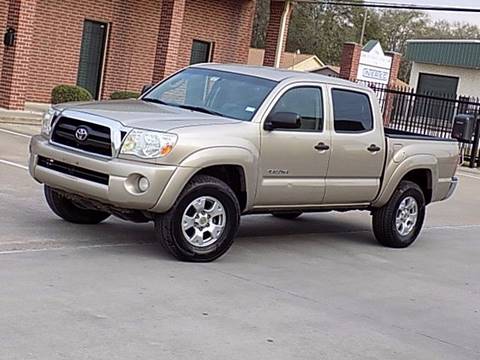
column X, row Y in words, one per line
column 294, row 162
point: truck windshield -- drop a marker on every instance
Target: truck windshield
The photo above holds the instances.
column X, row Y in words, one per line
column 214, row 92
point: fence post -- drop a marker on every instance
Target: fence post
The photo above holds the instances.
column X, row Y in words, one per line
column 476, row 142
column 388, row 107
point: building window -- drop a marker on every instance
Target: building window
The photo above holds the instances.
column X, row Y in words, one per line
column 202, row 52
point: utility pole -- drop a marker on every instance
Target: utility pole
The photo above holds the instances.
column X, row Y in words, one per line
column 365, row 17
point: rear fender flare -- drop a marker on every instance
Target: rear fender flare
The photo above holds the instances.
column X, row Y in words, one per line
column 394, row 173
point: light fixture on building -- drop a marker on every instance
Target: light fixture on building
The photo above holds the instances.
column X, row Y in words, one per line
column 9, row 37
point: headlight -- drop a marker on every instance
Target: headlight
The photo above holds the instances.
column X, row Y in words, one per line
column 47, row 122
column 148, row 144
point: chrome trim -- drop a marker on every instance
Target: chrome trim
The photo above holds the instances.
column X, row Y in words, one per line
column 407, row 215
column 207, row 217
column 452, row 187
column 115, row 127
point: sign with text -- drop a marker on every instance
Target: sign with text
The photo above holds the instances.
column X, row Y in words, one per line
column 374, row 64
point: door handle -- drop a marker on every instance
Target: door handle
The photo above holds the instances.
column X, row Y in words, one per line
column 321, row 146
column 374, row 148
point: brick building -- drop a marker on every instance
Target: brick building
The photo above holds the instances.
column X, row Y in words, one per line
column 111, row 45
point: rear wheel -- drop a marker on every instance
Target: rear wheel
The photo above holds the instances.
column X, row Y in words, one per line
column 399, row 222
column 287, row 215
column 203, row 222
column 71, row 212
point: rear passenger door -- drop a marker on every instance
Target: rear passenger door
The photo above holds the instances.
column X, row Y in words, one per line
column 358, row 148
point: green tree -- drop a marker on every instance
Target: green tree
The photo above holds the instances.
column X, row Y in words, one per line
column 322, row 29
column 445, row 30
column 260, row 23
column 398, row 26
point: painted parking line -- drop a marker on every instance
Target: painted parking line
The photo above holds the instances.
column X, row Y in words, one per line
column 132, row 244
column 96, row 246
column 6, row 162
column 14, row 133
column 469, row 176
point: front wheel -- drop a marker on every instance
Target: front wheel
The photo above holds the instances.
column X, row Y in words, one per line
column 70, row 211
column 203, row 222
column 399, row 222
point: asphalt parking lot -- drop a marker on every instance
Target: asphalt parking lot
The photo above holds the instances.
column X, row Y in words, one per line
column 314, row 288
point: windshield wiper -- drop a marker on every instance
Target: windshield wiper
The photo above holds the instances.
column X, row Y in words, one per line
column 201, row 109
column 188, row 107
column 156, row 101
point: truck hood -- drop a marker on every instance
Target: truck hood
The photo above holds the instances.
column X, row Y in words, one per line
column 144, row 115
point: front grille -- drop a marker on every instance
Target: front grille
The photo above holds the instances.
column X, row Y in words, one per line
column 73, row 170
column 98, row 140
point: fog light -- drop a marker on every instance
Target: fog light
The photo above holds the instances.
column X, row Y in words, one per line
column 143, row 184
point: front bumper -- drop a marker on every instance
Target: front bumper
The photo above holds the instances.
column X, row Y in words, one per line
column 121, row 173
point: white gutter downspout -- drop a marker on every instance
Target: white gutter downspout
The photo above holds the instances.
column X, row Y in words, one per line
column 281, row 34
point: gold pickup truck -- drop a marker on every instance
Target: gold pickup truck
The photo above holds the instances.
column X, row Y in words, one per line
column 214, row 142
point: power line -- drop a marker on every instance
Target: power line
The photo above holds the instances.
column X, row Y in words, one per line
column 383, row 5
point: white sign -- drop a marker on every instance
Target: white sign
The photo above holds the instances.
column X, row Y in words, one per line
column 374, row 64
column 372, row 74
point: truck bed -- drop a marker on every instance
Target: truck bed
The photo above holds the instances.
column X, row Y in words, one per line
column 400, row 134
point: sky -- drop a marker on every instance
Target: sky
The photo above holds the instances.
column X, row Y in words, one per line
column 473, row 18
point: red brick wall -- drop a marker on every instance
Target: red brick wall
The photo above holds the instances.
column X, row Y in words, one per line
column 273, row 31
column 134, row 38
column 169, row 37
column 227, row 23
column 58, row 35
column 133, row 42
column 396, row 61
column 14, row 76
column 3, row 27
column 350, row 61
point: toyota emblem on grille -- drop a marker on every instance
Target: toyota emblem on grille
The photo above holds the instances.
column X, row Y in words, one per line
column 81, row 134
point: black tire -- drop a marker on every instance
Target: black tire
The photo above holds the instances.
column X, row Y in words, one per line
column 287, row 215
column 69, row 211
column 384, row 219
column 168, row 226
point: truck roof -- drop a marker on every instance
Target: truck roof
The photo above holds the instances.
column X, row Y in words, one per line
column 278, row 74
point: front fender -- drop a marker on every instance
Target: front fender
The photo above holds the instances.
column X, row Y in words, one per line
column 395, row 172
column 201, row 159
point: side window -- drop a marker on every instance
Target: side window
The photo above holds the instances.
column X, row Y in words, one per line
column 352, row 111
column 306, row 102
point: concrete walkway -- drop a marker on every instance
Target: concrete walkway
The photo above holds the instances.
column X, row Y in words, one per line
column 32, row 115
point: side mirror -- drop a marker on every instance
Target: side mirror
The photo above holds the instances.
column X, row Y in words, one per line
column 145, row 88
column 283, row 120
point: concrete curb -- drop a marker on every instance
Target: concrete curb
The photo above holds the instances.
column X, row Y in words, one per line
column 29, row 119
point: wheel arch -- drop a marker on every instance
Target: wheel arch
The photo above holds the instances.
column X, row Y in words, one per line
column 234, row 166
column 420, row 169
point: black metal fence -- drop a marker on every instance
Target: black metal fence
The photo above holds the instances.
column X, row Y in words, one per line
column 428, row 114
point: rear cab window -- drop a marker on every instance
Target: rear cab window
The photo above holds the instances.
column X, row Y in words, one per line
column 352, row 111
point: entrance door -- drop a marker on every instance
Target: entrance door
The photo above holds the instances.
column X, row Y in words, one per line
column 90, row 68
column 436, row 86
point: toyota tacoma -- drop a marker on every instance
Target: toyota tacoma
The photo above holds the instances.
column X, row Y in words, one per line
column 213, row 142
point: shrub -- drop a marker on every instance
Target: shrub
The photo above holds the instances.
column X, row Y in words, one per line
column 121, row 95
column 67, row 93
